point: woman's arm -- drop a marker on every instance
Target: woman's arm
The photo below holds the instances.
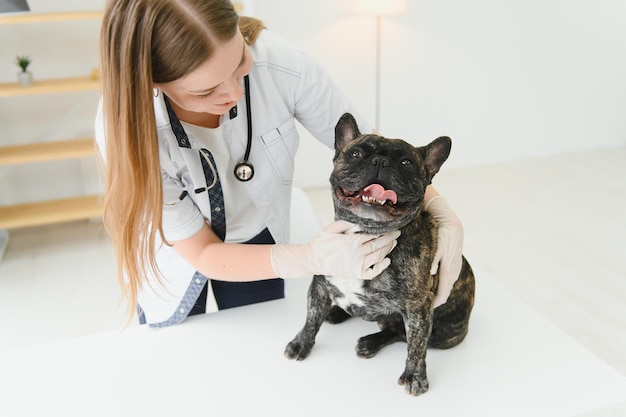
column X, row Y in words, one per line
column 449, row 256
column 225, row 261
column 332, row 252
column 429, row 195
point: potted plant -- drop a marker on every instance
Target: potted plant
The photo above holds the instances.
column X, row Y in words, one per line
column 24, row 76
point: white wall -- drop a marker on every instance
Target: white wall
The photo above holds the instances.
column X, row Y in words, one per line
column 505, row 79
column 511, row 79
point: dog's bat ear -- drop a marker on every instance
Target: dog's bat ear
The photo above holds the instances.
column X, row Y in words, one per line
column 345, row 131
column 436, row 153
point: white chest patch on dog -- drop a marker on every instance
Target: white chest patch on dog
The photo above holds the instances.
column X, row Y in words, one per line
column 350, row 288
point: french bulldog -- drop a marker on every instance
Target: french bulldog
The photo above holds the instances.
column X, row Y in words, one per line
column 379, row 184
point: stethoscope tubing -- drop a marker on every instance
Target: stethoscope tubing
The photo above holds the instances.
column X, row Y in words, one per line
column 244, row 170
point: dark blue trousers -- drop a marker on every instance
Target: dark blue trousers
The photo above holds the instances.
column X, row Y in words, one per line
column 235, row 294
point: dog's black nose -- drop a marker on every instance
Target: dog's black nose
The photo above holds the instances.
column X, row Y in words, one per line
column 380, row 161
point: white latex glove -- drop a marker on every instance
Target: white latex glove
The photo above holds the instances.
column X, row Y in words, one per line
column 448, row 258
column 335, row 253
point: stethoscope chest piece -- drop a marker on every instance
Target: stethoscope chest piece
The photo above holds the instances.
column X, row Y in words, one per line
column 244, row 171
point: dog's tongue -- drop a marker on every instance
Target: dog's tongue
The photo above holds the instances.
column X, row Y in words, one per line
column 378, row 192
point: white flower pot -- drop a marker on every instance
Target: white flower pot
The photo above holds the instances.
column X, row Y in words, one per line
column 25, row 78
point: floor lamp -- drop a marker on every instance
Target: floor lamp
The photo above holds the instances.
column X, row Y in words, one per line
column 379, row 8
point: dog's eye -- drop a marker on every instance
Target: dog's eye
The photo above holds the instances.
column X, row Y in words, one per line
column 355, row 153
column 407, row 163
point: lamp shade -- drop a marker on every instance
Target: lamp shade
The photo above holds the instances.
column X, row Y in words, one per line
column 379, row 7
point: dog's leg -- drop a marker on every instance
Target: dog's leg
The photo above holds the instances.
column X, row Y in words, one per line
column 319, row 303
column 418, row 328
column 391, row 331
column 451, row 320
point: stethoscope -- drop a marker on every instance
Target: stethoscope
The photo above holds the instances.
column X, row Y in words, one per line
column 244, row 170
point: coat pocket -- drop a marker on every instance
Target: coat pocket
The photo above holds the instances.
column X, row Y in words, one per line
column 280, row 145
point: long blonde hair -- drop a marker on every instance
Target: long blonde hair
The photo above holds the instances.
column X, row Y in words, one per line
column 143, row 42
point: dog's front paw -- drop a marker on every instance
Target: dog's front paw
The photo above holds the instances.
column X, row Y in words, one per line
column 414, row 383
column 298, row 350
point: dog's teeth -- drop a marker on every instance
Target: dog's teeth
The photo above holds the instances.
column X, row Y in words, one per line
column 372, row 200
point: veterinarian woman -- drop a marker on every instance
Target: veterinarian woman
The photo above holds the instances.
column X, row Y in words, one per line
column 196, row 128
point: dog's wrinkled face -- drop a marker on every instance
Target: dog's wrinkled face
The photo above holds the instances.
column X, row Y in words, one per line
column 379, row 183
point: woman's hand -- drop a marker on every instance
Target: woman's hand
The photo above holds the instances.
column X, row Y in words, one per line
column 448, row 258
column 335, row 253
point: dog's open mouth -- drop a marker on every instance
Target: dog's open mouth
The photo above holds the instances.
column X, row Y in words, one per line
column 374, row 194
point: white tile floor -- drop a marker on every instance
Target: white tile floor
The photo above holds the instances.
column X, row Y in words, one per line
column 551, row 230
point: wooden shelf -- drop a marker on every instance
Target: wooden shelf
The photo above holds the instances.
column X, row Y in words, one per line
column 47, row 151
column 49, row 86
column 55, row 211
column 19, row 18
column 48, row 212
